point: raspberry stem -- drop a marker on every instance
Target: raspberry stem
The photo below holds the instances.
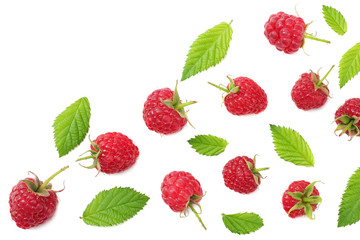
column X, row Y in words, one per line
column 176, row 104
column 308, row 36
column 259, row 169
column 94, row 154
column 43, row 186
column 319, row 82
column 347, row 127
column 312, row 200
column 197, row 215
column 182, row 105
column 348, row 124
column 221, row 88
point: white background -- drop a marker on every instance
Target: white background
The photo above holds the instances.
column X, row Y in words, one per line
column 116, row 53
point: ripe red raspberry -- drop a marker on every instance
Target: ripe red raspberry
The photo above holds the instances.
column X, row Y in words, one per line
column 244, row 96
column 180, row 191
column 32, row 202
column 112, row 152
column 163, row 111
column 309, row 92
column 287, row 32
column 301, row 198
column 347, row 118
column 241, row 176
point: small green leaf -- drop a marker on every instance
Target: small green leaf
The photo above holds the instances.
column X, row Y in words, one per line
column 335, row 20
column 291, row 146
column 349, row 210
column 349, row 64
column 71, row 126
column 114, row 206
column 207, row 50
column 242, row 223
column 208, row 145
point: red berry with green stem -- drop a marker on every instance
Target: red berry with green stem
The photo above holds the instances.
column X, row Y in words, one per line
column 347, row 118
column 301, row 198
column 181, row 191
column 287, row 32
column 243, row 96
column 112, row 152
column 310, row 92
column 241, row 175
column 164, row 112
column 33, row 202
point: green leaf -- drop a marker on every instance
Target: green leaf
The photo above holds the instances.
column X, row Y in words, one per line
column 71, row 126
column 207, row 50
column 242, row 223
column 208, row 145
column 349, row 64
column 349, row 211
column 291, row 146
column 114, row 206
column 335, row 20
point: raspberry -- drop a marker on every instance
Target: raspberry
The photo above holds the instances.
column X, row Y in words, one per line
column 180, row 191
column 347, row 118
column 287, row 32
column 32, row 202
column 309, row 92
column 301, row 198
column 241, row 176
column 163, row 111
column 112, row 152
column 244, row 96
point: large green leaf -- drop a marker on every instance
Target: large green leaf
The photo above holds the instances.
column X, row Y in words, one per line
column 291, row 146
column 114, row 206
column 71, row 126
column 349, row 211
column 208, row 145
column 349, row 64
column 242, row 223
column 207, row 50
column 335, row 20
